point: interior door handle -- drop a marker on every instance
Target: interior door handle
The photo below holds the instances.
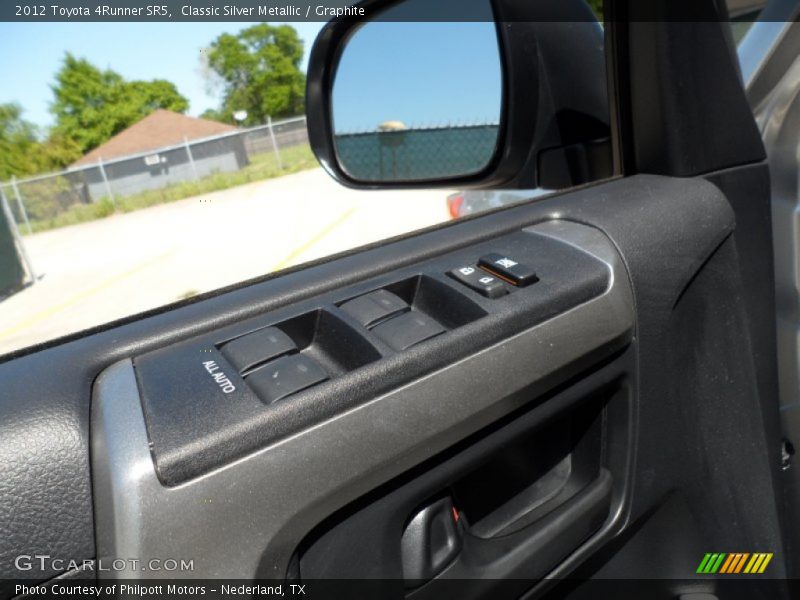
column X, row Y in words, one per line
column 529, row 553
column 431, row 540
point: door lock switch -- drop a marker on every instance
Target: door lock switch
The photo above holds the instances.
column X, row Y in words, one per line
column 374, row 307
column 285, row 376
column 480, row 281
column 408, row 329
column 508, row 269
column 258, row 347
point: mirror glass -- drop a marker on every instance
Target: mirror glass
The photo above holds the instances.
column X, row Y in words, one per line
column 415, row 100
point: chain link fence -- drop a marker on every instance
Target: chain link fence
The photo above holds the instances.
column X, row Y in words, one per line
column 417, row 153
column 57, row 199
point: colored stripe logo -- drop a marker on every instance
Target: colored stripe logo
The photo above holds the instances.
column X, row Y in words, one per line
column 734, row 563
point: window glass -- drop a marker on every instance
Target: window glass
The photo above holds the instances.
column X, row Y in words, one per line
column 134, row 175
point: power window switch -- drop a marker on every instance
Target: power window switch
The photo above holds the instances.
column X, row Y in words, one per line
column 371, row 308
column 408, row 329
column 509, row 269
column 255, row 348
column 480, row 281
column 285, row 376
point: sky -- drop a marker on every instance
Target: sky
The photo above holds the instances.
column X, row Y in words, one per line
column 421, row 74
column 31, row 54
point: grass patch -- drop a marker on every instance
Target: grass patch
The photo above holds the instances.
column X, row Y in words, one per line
column 262, row 166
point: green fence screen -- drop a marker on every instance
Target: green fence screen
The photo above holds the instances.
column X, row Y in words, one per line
column 417, row 154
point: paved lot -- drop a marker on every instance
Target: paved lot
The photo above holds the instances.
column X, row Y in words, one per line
column 104, row 270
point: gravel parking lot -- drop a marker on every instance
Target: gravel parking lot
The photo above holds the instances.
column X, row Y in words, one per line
column 104, row 270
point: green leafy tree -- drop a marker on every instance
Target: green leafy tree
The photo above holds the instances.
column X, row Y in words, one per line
column 92, row 105
column 213, row 115
column 259, row 69
column 18, row 142
column 21, row 150
column 58, row 151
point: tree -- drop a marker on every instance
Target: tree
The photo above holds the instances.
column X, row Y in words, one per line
column 17, row 139
column 92, row 105
column 21, row 150
column 213, row 115
column 259, row 69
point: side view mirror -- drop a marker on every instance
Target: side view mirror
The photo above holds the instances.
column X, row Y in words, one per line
column 466, row 93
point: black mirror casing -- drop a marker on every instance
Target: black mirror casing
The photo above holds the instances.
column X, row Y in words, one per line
column 550, row 114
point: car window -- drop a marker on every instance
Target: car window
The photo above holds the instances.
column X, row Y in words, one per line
column 133, row 175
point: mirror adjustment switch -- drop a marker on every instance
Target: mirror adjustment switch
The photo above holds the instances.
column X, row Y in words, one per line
column 408, row 329
column 285, row 376
column 374, row 307
column 508, row 268
column 254, row 348
column 480, row 281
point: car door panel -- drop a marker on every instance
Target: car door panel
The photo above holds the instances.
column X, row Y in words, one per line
column 385, row 435
column 660, row 262
column 668, row 287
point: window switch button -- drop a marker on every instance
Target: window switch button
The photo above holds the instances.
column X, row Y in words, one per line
column 408, row 329
column 509, row 269
column 254, row 348
column 285, row 376
column 480, row 281
column 374, row 307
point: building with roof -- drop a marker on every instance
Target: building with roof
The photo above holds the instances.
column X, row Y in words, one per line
column 164, row 147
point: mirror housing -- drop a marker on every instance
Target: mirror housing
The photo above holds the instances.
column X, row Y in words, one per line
column 554, row 126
